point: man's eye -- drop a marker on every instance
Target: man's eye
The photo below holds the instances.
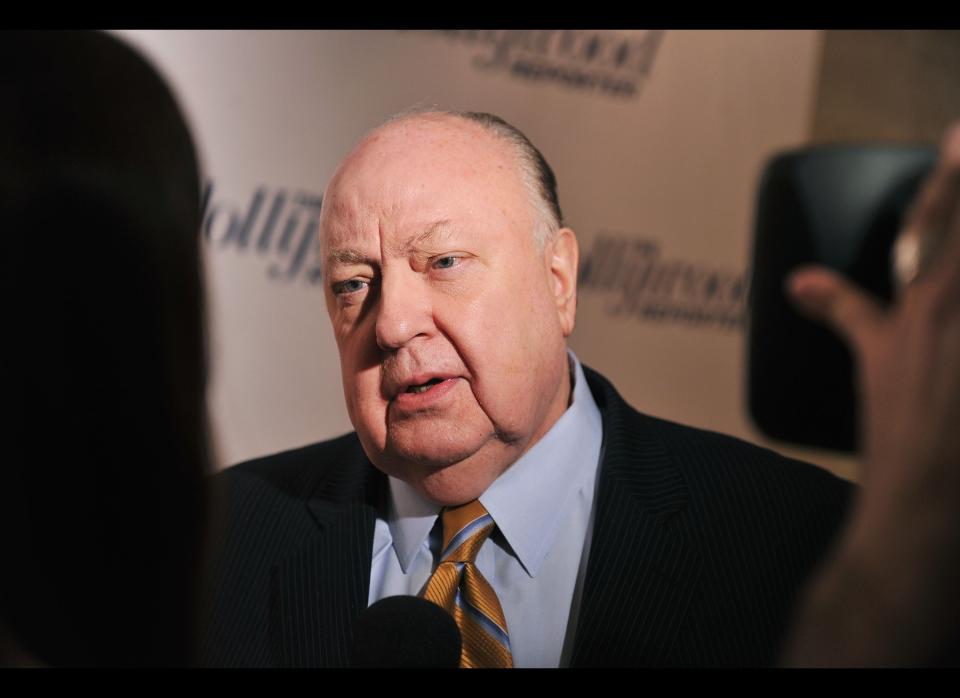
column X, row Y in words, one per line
column 445, row 263
column 349, row 286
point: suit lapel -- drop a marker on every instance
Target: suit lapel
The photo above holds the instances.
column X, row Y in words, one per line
column 322, row 588
column 641, row 573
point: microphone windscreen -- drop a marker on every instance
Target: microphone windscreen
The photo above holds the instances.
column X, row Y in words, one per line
column 405, row 631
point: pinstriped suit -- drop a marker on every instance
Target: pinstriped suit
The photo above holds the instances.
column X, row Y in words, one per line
column 700, row 544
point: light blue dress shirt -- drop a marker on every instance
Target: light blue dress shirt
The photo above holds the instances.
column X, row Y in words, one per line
column 536, row 559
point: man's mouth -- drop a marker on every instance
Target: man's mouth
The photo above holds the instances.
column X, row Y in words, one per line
column 424, row 387
column 423, row 390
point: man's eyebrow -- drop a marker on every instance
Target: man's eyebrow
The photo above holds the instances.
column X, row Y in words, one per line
column 434, row 232
column 349, row 256
column 438, row 230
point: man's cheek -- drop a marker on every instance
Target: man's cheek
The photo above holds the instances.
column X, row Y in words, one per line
column 370, row 419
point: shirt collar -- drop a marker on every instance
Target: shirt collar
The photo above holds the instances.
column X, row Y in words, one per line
column 528, row 500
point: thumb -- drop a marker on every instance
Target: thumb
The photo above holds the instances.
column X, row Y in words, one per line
column 827, row 297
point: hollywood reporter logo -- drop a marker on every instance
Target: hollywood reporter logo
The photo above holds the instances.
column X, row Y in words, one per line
column 614, row 63
column 645, row 286
column 275, row 224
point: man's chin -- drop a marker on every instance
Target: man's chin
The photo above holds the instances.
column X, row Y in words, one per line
column 446, row 476
column 438, row 442
column 414, row 457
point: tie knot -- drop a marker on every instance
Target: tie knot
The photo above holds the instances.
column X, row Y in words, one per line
column 465, row 528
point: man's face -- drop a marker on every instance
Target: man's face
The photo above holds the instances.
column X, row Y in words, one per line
column 450, row 323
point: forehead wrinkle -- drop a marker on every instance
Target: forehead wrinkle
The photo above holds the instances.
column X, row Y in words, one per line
column 338, row 243
column 435, row 232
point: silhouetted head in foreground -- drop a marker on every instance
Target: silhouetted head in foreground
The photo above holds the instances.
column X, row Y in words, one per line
column 105, row 464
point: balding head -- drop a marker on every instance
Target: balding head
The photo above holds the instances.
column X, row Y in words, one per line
column 535, row 172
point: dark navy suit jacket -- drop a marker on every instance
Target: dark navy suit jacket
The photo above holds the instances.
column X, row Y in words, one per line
column 701, row 543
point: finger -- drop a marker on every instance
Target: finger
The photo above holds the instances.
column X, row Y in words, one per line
column 938, row 195
column 826, row 297
column 930, row 233
column 950, row 252
column 948, row 262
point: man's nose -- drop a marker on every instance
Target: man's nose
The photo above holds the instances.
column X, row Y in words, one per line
column 404, row 310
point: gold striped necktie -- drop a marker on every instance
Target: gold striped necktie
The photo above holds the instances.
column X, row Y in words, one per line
column 458, row 587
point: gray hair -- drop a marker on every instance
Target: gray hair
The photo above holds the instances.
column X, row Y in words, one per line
column 537, row 175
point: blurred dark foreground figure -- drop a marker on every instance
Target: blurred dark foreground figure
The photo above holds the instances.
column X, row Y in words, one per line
column 103, row 479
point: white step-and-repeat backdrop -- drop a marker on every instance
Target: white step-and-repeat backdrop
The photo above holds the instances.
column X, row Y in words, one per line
column 657, row 139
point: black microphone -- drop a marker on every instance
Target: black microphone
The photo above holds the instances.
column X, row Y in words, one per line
column 405, row 631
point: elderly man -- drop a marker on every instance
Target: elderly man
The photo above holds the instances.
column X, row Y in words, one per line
column 490, row 471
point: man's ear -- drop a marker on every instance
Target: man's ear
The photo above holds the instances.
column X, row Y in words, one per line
column 563, row 254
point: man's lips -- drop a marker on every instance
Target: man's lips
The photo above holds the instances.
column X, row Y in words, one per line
column 424, row 391
column 421, row 383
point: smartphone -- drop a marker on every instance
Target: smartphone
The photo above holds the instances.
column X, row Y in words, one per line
column 840, row 206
